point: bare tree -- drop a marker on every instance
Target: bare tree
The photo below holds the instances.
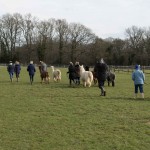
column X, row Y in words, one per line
column 135, row 41
column 29, row 35
column 79, row 35
column 62, row 34
column 11, row 31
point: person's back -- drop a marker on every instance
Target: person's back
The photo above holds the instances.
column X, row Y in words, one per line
column 17, row 68
column 101, row 69
column 86, row 68
column 31, row 69
column 44, row 67
column 10, row 68
column 77, row 70
column 71, row 69
column 101, row 73
column 138, row 77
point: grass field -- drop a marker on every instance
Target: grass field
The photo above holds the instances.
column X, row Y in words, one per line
column 58, row 117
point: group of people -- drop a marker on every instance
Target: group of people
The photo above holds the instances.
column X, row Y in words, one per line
column 11, row 68
column 16, row 68
column 100, row 69
column 138, row 78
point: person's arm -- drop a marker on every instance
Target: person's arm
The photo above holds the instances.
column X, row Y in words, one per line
column 133, row 76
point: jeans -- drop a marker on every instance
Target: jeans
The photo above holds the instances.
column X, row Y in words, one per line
column 140, row 87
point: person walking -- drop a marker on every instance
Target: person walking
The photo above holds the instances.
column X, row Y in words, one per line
column 44, row 66
column 17, row 70
column 31, row 69
column 71, row 71
column 101, row 73
column 138, row 77
column 10, row 69
column 77, row 72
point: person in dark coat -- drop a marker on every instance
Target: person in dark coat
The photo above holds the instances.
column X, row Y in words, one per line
column 17, row 70
column 87, row 68
column 10, row 69
column 71, row 71
column 31, row 69
column 77, row 72
column 101, row 72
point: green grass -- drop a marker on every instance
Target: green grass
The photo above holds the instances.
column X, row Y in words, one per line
column 58, row 117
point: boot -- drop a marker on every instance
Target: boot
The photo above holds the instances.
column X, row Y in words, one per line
column 135, row 96
column 142, row 95
column 104, row 93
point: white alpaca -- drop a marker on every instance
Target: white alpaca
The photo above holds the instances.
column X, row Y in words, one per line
column 86, row 77
column 56, row 73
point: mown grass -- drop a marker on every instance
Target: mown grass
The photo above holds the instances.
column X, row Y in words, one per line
column 58, row 117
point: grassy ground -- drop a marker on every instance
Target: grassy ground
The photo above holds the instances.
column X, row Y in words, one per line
column 58, row 117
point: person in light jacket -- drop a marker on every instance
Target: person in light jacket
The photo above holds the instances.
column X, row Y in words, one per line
column 138, row 77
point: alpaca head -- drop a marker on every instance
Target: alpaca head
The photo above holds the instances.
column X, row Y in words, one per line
column 82, row 69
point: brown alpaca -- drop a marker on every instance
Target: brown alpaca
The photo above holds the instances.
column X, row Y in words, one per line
column 44, row 75
column 94, row 77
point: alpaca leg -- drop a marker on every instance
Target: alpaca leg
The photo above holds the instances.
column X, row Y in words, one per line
column 84, row 84
column 113, row 83
column 89, row 84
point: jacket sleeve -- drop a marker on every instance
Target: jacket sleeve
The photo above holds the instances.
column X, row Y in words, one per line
column 133, row 78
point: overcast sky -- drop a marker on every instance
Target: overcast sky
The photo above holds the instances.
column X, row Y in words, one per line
column 106, row 18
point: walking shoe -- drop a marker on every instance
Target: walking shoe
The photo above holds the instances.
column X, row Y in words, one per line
column 104, row 93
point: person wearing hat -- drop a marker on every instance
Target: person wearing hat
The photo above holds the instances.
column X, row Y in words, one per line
column 10, row 69
column 17, row 69
column 138, row 77
column 100, row 70
column 31, row 69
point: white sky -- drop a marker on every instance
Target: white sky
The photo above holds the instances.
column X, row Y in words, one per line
column 106, row 18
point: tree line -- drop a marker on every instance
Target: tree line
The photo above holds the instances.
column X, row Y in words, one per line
column 56, row 41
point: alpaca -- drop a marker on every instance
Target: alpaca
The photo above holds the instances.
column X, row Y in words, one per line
column 86, row 77
column 56, row 74
column 111, row 78
column 44, row 75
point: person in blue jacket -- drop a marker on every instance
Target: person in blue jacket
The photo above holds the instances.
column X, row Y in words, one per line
column 17, row 70
column 31, row 69
column 138, row 77
column 10, row 69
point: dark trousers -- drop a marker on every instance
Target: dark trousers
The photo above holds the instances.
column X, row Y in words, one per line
column 101, row 85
